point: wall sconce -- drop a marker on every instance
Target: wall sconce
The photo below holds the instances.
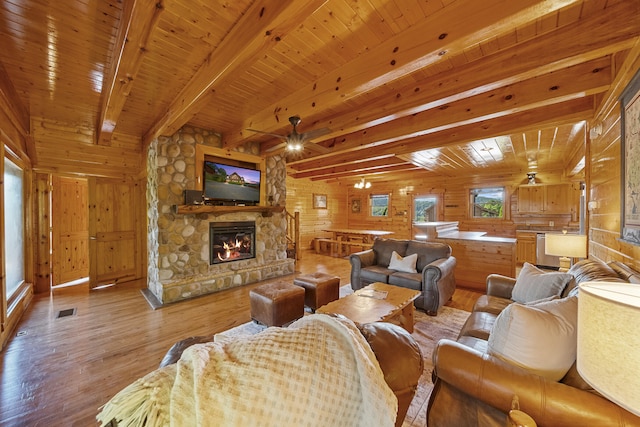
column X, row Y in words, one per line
column 566, row 246
column 608, row 340
column 362, row 184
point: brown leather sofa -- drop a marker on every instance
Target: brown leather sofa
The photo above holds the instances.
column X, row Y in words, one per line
column 398, row 354
column 475, row 388
column 434, row 276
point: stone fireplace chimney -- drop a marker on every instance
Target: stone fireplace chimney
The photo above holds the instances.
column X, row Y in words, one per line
column 178, row 244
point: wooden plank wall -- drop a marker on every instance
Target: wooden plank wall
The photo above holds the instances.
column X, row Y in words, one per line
column 60, row 149
column 312, row 221
column 605, row 172
column 605, row 192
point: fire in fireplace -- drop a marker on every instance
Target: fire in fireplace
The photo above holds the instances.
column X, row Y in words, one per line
column 231, row 241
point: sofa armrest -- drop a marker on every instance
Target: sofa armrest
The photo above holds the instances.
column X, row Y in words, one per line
column 360, row 260
column 500, row 286
column 494, row 383
column 438, row 284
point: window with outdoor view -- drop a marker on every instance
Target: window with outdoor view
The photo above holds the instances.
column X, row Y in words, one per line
column 379, row 204
column 487, row 202
column 425, row 209
column 13, row 227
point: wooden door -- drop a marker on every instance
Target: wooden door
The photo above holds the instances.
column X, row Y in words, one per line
column 70, row 230
column 115, row 248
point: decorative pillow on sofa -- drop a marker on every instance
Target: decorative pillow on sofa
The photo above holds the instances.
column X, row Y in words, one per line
column 406, row 264
column 382, row 248
column 541, row 338
column 534, row 284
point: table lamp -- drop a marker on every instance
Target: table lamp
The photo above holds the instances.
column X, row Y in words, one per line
column 566, row 246
column 609, row 342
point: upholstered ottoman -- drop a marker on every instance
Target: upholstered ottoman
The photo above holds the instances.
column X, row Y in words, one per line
column 319, row 288
column 276, row 304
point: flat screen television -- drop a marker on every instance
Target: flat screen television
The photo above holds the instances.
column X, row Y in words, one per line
column 226, row 184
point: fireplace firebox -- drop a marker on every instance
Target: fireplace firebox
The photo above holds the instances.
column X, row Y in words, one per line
column 231, row 241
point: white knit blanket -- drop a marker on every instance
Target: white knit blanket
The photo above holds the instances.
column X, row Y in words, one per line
column 320, row 371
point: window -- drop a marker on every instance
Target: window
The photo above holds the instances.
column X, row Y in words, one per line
column 425, row 209
column 487, row 202
column 13, row 227
column 379, row 204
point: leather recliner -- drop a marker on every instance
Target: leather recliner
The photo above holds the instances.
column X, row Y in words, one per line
column 397, row 352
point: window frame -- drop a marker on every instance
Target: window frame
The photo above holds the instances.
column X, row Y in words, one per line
column 473, row 192
column 371, row 206
column 437, row 207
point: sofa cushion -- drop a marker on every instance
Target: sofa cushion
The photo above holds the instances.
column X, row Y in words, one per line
column 427, row 252
column 534, row 284
column 383, row 248
column 491, row 304
column 405, row 264
column 478, row 325
column 375, row 273
column 406, row 280
column 541, row 338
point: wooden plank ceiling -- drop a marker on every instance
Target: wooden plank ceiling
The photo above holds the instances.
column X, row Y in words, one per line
column 447, row 87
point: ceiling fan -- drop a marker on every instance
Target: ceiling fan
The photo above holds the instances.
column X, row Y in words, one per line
column 295, row 141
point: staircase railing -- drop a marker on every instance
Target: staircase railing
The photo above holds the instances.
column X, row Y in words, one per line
column 293, row 235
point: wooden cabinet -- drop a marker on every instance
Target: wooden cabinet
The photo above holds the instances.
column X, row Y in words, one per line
column 548, row 198
column 525, row 248
column 531, row 198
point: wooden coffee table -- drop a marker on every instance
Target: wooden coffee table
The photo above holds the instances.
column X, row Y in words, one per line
column 374, row 303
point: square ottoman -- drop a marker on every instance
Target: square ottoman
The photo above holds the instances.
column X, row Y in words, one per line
column 276, row 304
column 319, row 289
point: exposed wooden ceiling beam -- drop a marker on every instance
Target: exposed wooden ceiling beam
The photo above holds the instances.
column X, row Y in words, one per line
column 259, row 28
column 561, row 113
column 369, row 172
column 446, row 32
column 138, row 19
column 354, row 168
column 543, row 90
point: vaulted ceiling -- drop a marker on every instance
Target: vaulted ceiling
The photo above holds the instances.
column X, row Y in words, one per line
column 441, row 86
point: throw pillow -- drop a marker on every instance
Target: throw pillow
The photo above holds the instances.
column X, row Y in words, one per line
column 541, row 338
column 534, row 284
column 406, row 264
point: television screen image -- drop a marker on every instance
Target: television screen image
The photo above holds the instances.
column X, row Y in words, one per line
column 231, row 183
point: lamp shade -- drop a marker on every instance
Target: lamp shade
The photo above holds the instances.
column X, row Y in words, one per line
column 609, row 341
column 566, row 245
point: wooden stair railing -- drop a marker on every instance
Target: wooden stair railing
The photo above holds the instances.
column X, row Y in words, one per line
column 293, row 234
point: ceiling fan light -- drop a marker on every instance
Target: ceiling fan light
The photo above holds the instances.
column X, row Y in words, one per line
column 367, row 185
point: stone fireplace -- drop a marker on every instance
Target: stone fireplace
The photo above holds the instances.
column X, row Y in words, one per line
column 231, row 241
column 179, row 245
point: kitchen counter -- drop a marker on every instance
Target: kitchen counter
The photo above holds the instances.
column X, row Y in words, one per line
column 478, row 236
column 479, row 255
column 547, row 230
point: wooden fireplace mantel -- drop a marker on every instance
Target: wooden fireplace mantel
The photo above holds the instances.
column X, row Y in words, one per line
column 219, row 210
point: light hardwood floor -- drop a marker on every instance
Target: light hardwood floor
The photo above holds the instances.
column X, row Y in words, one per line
column 59, row 371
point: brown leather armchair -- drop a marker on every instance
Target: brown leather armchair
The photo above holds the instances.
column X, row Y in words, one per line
column 473, row 388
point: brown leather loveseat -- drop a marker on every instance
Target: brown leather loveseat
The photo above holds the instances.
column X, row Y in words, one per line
column 433, row 275
column 473, row 387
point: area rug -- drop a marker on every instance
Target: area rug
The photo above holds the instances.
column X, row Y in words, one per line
column 428, row 330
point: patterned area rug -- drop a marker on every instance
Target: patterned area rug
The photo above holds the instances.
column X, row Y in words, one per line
column 428, row 331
